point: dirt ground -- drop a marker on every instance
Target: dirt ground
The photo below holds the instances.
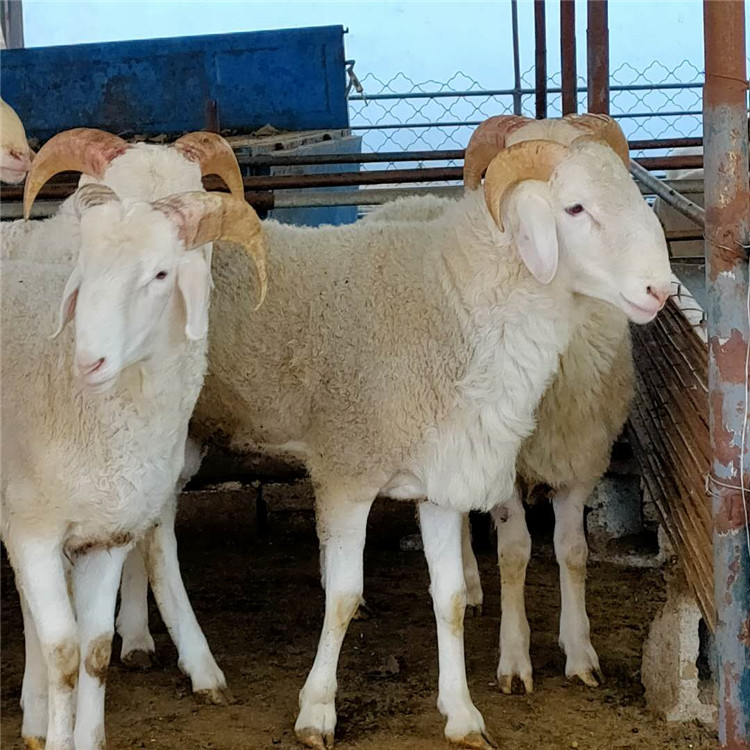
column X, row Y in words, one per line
column 259, row 601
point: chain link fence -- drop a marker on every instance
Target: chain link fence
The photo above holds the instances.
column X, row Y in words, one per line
column 402, row 114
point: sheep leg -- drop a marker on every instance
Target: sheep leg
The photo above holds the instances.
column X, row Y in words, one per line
column 572, row 554
column 195, row 657
column 513, row 553
column 363, row 611
column 342, row 527
column 132, row 619
column 441, row 536
column 34, row 690
column 96, row 577
column 40, row 578
column 474, row 594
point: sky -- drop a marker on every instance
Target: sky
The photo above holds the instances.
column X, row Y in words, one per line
column 421, row 39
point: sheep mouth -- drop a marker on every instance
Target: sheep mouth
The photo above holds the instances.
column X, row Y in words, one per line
column 638, row 313
column 99, row 384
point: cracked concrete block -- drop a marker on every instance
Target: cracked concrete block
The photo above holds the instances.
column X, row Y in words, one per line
column 669, row 668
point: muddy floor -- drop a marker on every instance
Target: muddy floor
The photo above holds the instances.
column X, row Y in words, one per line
column 258, row 598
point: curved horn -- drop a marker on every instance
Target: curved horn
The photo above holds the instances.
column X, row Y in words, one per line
column 78, row 150
column 215, row 156
column 528, row 160
column 602, row 128
column 208, row 217
column 91, row 195
column 485, row 143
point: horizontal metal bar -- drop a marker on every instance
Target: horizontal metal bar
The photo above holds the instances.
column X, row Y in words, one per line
column 526, row 91
column 283, row 160
column 669, row 195
column 474, row 123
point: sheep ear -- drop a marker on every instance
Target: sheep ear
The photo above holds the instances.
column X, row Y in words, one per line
column 536, row 237
column 194, row 283
column 68, row 304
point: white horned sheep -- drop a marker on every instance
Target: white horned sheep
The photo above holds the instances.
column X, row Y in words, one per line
column 15, row 152
column 409, row 359
column 94, row 423
column 145, row 172
column 578, row 420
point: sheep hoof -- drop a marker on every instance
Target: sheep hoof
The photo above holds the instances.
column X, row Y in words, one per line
column 220, row 696
column 33, row 743
column 513, row 684
column 473, row 610
column 476, row 741
column 363, row 612
column 138, row 659
column 591, row 677
column 310, row 737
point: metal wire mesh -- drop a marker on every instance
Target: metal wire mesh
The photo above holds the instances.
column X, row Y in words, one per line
column 401, row 114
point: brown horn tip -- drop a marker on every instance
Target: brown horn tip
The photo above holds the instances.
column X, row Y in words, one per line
column 602, row 128
column 486, row 141
column 78, row 150
column 215, row 156
column 528, row 160
column 210, row 217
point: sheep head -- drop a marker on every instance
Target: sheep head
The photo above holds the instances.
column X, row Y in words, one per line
column 92, row 152
column 573, row 212
column 496, row 133
column 15, row 152
column 139, row 278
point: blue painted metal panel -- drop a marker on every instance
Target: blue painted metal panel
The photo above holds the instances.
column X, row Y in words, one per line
column 293, row 79
column 314, row 216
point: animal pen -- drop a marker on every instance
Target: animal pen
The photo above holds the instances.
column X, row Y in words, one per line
column 688, row 427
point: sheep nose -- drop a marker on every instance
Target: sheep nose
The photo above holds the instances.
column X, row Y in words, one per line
column 660, row 295
column 88, row 365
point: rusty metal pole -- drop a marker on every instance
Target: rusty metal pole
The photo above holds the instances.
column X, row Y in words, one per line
column 597, row 52
column 517, row 102
column 727, row 199
column 540, row 58
column 569, row 82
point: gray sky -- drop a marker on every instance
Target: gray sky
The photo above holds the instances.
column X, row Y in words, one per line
column 423, row 39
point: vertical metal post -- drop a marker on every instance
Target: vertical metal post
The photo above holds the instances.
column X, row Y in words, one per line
column 517, row 103
column 597, row 51
column 11, row 14
column 568, row 57
column 540, row 58
column 727, row 196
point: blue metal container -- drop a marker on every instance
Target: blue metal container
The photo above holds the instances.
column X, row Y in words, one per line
column 293, row 79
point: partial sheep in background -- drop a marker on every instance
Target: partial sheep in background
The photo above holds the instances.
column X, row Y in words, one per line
column 578, row 420
column 15, row 153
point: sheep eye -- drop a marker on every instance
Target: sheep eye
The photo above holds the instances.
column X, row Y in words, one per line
column 574, row 210
column 161, row 275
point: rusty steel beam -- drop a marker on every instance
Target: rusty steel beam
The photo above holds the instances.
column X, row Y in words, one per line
column 64, row 185
column 597, row 51
column 569, row 81
column 727, row 201
column 668, row 194
column 540, row 58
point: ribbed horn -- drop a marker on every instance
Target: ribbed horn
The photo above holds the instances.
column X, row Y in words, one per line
column 485, row 143
column 215, row 156
column 529, row 160
column 602, row 128
column 93, row 194
column 78, row 150
column 210, row 217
